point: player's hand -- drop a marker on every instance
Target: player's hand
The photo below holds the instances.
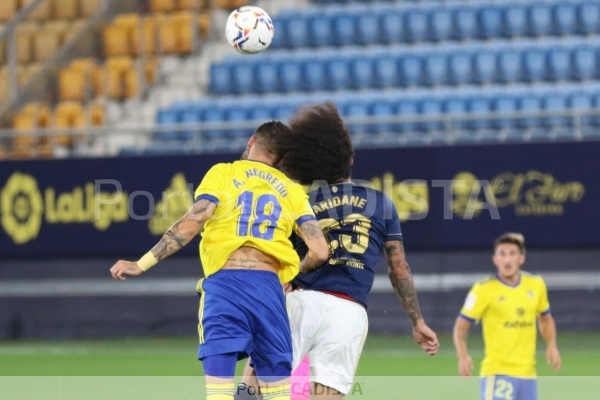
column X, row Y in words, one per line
column 553, row 357
column 125, row 268
column 465, row 366
column 426, row 338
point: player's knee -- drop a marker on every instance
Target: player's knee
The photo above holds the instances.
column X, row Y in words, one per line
column 245, row 392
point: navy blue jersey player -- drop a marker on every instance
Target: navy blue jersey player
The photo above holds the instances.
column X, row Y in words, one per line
column 328, row 313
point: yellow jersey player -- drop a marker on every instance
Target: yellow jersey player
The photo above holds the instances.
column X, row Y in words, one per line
column 510, row 304
column 248, row 210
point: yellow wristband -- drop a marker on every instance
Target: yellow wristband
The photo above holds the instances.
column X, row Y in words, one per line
column 147, row 261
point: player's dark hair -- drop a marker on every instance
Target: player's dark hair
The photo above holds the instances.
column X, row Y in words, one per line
column 319, row 147
column 511, row 238
column 270, row 136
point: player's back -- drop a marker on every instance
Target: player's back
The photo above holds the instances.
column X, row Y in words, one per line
column 357, row 221
column 257, row 207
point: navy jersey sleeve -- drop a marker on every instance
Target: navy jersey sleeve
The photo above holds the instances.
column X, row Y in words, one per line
column 392, row 221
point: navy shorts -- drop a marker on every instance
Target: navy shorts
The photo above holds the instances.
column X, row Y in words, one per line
column 244, row 312
column 502, row 387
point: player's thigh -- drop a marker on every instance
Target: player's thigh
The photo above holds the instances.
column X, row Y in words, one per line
column 501, row 387
column 338, row 344
column 304, row 309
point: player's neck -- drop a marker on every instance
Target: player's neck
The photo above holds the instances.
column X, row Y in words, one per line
column 511, row 280
column 259, row 157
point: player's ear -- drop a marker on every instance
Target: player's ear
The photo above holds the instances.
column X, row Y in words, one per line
column 252, row 141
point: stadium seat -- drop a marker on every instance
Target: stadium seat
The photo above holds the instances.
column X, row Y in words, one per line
column 529, row 104
column 357, row 109
column 116, row 41
column 67, row 114
column 368, row 29
column 116, row 72
column 220, row 79
column 42, row 12
column 540, row 20
column 565, row 19
column 71, row 84
column 291, row 76
column 338, row 72
column 25, row 37
column 320, row 32
column 8, row 9
column 510, row 66
column 559, row 65
column 391, row 27
column 504, row 106
column 555, row 103
column 485, row 64
column 534, row 66
column 477, row 107
column 431, row 109
column 361, row 73
column 440, row 27
column 407, row 110
column 89, row 7
column 242, row 77
column 297, row 32
column 460, row 68
column 267, row 78
column 344, row 30
column 585, row 65
column 315, row 75
column 515, row 21
column 589, row 18
column 260, row 115
column 411, row 69
column 436, row 69
column 382, row 109
column 162, row 5
column 490, row 21
column 386, row 72
column 465, row 24
column 416, row 26
column 167, row 118
column 65, row 9
column 46, row 43
column 581, row 103
column 237, row 114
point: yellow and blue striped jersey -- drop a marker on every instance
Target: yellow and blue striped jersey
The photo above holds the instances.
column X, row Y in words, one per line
column 509, row 317
column 257, row 206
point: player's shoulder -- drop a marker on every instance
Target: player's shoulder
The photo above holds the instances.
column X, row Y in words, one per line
column 531, row 277
column 487, row 281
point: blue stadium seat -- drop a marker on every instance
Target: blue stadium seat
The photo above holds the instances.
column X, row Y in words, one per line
column 291, row 76
column 431, row 108
column 297, row 32
column 583, row 104
column 529, row 104
column 461, row 68
column 440, row 27
column 338, row 74
column 565, row 19
column 315, row 75
column 357, row 109
column 408, row 110
column 164, row 118
column 361, row 73
column 436, row 69
column 416, row 26
column 368, row 29
column 411, row 68
column 490, row 22
column 465, row 24
column 391, row 27
column 267, row 77
column 344, row 30
column 260, row 115
column 505, row 105
column 279, row 39
column 589, row 18
column 485, row 67
column 220, row 79
column 479, row 106
column 386, row 72
column 555, row 103
column 457, row 108
column 540, row 20
column 191, row 116
column 213, row 115
column 242, row 76
column 584, row 61
column 383, row 109
column 510, row 66
column 237, row 114
column 284, row 112
column 559, row 65
column 515, row 21
column 534, row 65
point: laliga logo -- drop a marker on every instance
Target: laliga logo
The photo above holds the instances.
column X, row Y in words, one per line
column 22, row 208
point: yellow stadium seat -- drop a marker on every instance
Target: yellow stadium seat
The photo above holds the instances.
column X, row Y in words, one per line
column 230, row 4
column 116, row 76
column 45, row 150
column 204, row 24
column 76, row 27
column 20, row 153
column 168, row 35
column 42, row 12
column 193, row 4
column 68, row 114
column 58, row 27
column 32, row 69
column 97, row 114
column 89, row 7
column 66, row 8
column 146, row 41
column 162, row 5
column 46, row 43
column 115, row 41
column 183, row 24
column 8, row 8
column 71, row 84
column 25, row 37
column 151, row 71
column 2, row 153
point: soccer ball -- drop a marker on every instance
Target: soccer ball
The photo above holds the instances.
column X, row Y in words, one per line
column 249, row 30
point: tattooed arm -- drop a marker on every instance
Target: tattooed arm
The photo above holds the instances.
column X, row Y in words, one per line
column 318, row 249
column 178, row 235
column 404, row 286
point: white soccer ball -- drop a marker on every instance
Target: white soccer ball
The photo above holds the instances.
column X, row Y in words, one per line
column 249, row 30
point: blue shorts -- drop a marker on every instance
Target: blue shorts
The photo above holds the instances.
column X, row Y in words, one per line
column 503, row 387
column 244, row 312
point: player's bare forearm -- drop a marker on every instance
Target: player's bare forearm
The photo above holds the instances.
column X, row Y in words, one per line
column 460, row 336
column 184, row 230
column 318, row 249
column 548, row 329
column 402, row 280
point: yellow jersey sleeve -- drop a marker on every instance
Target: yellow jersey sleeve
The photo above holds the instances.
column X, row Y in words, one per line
column 211, row 187
column 543, row 305
column 475, row 304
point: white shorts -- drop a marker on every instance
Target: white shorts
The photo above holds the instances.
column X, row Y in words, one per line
column 332, row 331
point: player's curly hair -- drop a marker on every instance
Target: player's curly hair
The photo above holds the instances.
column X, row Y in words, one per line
column 319, row 147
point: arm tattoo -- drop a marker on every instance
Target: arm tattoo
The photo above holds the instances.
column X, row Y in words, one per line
column 178, row 236
column 402, row 280
column 311, row 230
